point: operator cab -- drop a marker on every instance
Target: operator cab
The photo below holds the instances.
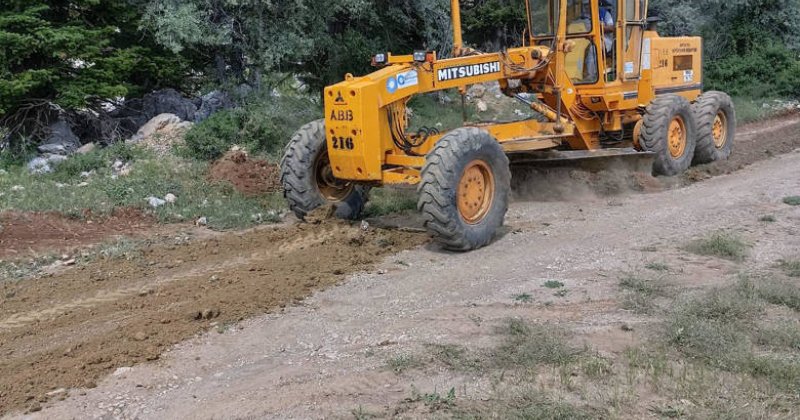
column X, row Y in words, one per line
column 598, row 32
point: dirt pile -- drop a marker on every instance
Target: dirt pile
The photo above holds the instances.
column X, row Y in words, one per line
column 249, row 176
column 70, row 329
column 23, row 234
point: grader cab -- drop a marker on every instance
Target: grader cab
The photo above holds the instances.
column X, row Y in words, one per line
column 599, row 78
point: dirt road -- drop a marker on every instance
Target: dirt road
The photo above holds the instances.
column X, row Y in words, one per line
column 326, row 355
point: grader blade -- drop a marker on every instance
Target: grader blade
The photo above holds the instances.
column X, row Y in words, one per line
column 628, row 159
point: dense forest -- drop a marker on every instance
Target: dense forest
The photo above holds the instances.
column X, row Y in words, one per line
column 81, row 54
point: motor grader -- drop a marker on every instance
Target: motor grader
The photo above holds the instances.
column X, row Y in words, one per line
column 597, row 75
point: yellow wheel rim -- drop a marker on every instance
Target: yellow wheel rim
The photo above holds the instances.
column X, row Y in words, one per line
column 329, row 186
column 676, row 137
column 475, row 192
column 720, row 130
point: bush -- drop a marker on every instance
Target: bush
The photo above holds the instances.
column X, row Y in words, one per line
column 211, row 138
column 768, row 72
column 263, row 125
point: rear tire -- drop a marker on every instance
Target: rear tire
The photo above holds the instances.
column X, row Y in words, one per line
column 669, row 130
column 464, row 190
column 308, row 181
column 716, row 127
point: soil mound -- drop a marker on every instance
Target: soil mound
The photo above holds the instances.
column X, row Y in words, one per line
column 249, row 176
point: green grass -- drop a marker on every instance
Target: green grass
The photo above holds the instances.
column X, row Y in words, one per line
column 387, row 200
column 529, row 403
column 656, row 266
column 523, row 297
column 792, row 200
column 403, row 362
column 65, row 192
column 453, row 357
column 553, row 284
column 779, row 292
column 527, row 345
column 720, row 244
column 640, row 291
column 721, row 330
column 790, row 267
column 751, row 110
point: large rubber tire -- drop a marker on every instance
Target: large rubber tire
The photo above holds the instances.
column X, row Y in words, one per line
column 655, row 132
column 706, row 109
column 445, row 165
column 300, row 181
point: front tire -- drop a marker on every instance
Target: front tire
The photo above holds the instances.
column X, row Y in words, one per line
column 308, row 180
column 716, row 127
column 669, row 130
column 464, row 190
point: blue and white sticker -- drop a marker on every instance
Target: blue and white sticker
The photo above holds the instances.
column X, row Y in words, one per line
column 403, row 80
column 391, row 85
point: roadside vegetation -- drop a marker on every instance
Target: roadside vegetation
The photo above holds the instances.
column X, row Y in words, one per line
column 728, row 351
column 90, row 183
column 721, row 244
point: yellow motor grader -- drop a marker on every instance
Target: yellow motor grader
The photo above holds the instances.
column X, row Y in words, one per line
column 597, row 74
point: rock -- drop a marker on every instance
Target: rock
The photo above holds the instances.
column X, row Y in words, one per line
column 477, row 91
column 60, row 139
column 3, row 172
column 155, row 202
column 86, row 148
column 39, row 165
column 211, row 103
column 119, row 372
column 203, row 221
column 87, row 174
column 55, row 392
column 481, row 106
column 161, row 133
column 169, row 101
column 364, row 225
column 170, row 198
column 140, row 336
column 17, row 188
column 134, row 113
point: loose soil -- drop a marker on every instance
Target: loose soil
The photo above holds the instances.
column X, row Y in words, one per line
column 250, row 177
column 70, row 329
column 24, row 234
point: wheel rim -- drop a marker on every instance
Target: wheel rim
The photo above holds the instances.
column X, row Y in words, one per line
column 329, row 186
column 475, row 192
column 677, row 137
column 720, row 130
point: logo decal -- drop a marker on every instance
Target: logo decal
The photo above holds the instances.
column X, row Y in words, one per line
column 460, row 72
column 339, row 98
column 402, row 81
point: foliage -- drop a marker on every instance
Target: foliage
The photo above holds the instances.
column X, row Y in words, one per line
column 262, row 125
column 493, row 24
column 243, row 41
column 77, row 52
column 750, row 46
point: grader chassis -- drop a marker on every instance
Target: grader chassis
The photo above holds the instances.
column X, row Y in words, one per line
column 598, row 90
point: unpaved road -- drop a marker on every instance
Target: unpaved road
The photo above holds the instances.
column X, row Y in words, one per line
column 325, row 355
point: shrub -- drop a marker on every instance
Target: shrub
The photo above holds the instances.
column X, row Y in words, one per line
column 211, row 138
column 263, row 125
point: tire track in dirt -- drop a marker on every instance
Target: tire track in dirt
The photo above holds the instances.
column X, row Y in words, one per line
column 107, row 296
column 70, row 329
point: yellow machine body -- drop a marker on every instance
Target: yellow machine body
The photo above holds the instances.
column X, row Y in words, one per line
column 365, row 117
